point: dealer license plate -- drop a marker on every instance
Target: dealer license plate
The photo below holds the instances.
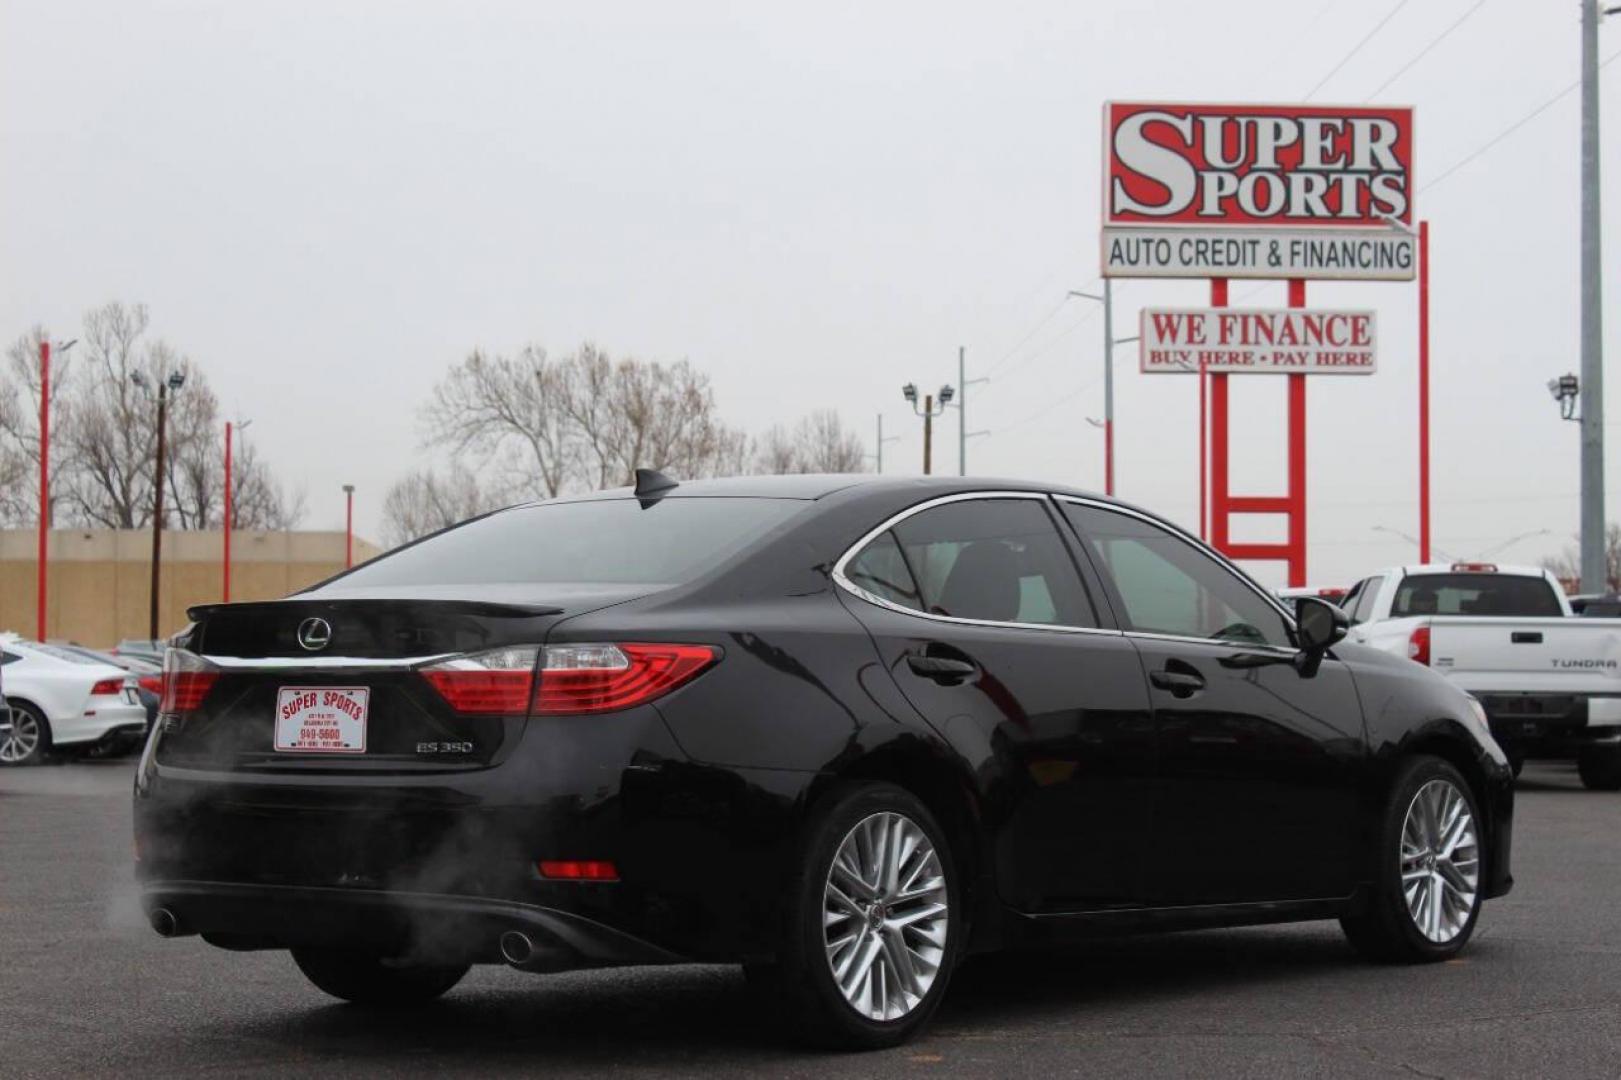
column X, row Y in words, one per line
column 322, row 719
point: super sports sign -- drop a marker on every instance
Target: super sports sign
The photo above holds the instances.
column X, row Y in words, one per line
column 1257, row 191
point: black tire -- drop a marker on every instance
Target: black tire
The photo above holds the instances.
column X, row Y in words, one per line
column 801, row 980
column 41, row 751
column 375, row 981
column 1386, row 931
column 1600, row 767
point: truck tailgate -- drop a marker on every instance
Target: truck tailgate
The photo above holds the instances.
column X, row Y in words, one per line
column 1529, row 656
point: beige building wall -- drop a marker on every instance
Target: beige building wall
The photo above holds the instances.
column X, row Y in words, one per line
column 99, row 580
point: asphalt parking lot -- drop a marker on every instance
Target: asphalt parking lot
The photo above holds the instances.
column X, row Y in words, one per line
column 86, row 989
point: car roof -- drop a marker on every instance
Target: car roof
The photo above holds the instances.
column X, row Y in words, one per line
column 812, row 486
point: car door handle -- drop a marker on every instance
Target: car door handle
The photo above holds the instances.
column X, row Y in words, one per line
column 1181, row 684
column 943, row 669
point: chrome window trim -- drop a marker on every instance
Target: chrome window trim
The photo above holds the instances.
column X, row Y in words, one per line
column 855, row 549
column 1197, row 545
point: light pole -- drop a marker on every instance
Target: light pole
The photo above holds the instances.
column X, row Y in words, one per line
column 928, row 412
column 349, row 526
column 45, row 474
column 963, row 434
column 1594, row 565
column 1109, row 343
column 882, row 439
column 174, row 382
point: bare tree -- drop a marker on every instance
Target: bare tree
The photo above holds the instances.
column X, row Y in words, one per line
column 819, row 443
column 104, row 435
column 1566, row 566
column 585, row 421
column 508, row 412
column 19, row 426
column 425, row 502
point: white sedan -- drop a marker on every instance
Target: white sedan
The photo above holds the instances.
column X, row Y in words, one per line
column 63, row 701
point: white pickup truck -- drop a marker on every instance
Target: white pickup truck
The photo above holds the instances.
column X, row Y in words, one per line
column 1550, row 682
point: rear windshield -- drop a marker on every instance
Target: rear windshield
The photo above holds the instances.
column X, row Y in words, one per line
column 1475, row 594
column 614, row 541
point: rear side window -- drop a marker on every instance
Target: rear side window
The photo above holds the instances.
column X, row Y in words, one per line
column 611, row 541
column 1364, row 603
column 995, row 560
column 881, row 569
column 1475, row 594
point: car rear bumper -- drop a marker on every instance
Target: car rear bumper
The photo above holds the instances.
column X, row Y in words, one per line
column 462, row 929
column 104, row 725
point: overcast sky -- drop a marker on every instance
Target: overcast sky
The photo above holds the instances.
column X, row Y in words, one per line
column 327, row 204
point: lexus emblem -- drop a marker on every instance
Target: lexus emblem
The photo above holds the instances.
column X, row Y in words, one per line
column 315, row 634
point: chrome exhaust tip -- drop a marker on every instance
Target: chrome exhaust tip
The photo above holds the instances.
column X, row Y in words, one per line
column 517, row 948
column 165, row 922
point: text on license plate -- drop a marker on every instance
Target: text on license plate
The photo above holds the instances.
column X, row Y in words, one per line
column 322, row 719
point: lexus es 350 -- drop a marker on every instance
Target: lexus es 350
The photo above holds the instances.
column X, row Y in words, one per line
column 843, row 731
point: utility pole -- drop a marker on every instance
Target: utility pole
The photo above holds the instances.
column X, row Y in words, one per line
column 882, row 439
column 1595, row 576
column 174, row 382
column 963, row 434
column 928, row 433
column 928, row 413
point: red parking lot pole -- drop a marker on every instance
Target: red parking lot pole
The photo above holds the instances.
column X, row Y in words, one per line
column 225, row 574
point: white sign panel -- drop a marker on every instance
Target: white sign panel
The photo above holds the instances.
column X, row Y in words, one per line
column 322, row 719
column 1343, row 254
column 1278, row 341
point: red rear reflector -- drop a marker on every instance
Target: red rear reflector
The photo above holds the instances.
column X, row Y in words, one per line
column 499, row 692
column 107, row 688
column 1418, row 645
column 647, row 671
column 578, row 870
column 183, row 691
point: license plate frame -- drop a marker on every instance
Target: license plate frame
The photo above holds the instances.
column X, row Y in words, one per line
column 322, row 719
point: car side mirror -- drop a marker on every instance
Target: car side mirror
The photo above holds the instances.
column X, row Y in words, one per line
column 1318, row 625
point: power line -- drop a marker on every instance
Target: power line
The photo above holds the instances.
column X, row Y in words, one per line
column 1512, row 128
column 1034, row 330
column 1346, row 59
column 1049, row 343
column 1425, row 51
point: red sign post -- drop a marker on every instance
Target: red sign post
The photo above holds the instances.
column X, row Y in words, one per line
column 1289, row 192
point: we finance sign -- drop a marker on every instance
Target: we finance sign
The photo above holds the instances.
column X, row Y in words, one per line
column 1259, row 191
column 1283, row 341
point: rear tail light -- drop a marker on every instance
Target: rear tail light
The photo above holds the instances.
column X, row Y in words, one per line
column 604, row 678
column 572, row 679
column 187, row 679
column 498, row 682
column 1418, row 645
column 152, row 684
column 108, row 688
column 578, row 870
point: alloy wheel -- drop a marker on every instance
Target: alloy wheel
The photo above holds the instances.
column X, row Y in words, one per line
column 885, row 916
column 20, row 743
column 1440, row 861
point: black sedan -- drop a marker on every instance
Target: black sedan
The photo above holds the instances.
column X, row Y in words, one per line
column 841, row 730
